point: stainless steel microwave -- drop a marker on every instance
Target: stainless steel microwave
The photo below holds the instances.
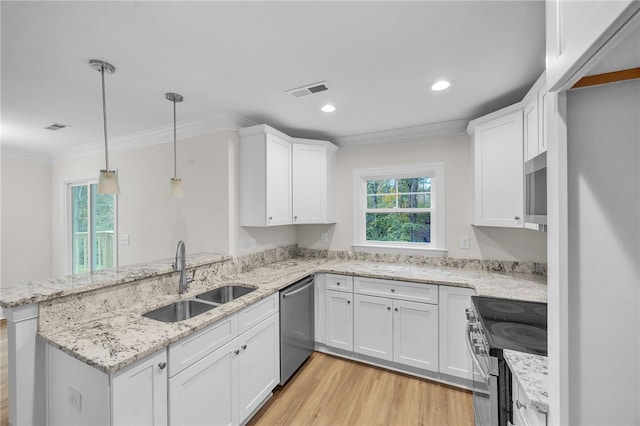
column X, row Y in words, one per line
column 535, row 178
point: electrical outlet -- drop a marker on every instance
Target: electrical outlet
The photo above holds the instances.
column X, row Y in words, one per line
column 324, row 237
column 464, row 242
column 253, row 243
column 124, row 239
column 75, row 398
column 241, row 244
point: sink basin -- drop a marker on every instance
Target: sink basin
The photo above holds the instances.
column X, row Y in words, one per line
column 225, row 294
column 179, row 311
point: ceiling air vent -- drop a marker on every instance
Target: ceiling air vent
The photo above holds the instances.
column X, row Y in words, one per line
column 310, row 89
column 57, row 126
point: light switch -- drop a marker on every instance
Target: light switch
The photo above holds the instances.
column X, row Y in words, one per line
column 464, row 242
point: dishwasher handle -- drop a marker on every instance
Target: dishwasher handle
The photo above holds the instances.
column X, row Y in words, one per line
column 284, row 295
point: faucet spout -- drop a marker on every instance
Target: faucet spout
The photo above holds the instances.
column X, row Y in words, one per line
column 180, row 265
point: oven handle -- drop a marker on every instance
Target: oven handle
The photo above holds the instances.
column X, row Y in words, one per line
column 483, row 373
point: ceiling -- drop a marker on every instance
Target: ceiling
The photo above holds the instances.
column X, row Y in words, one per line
column 378, row 58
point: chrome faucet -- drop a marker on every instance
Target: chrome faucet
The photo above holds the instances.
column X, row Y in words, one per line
column 180, row 265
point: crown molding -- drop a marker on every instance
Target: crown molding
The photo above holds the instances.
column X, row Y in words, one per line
column 405, row 134
column 25, row 157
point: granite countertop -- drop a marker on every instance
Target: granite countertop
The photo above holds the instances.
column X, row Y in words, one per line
column 531, row 372
column 114, row 339
column 24, row 293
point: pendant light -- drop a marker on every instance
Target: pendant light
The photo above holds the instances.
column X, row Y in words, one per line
column 108, row 182
column 175, row 188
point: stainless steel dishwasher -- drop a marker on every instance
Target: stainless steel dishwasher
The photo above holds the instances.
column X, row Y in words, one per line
column 296, row 326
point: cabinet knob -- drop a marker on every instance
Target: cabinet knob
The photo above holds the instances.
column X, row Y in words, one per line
column 517, row 218
column 295, row 218
column 393, row 290
column 337, row 283
column 396, row 309
column 244, row 347
column 270, row 217
column 348, row 302
column 237, row 351
column 388, row 308
column 162, row 365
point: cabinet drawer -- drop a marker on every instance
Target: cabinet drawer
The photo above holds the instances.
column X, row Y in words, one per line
column 339, row 283
column 261, row 310
column 425, row 293
column 187, row 351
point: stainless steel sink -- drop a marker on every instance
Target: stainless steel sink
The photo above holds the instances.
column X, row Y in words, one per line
column 225, row 294
column 179, row 311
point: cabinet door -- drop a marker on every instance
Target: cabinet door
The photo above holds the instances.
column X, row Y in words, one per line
column 498, row 172
column 206, row 392
column 309, row 183
column 258, row 365
column 139, row 392
column 278, row 181
column 531, row 129
column 319, row 306
column 373, row 326
column 454, row 355
column 415, row 334
column 339, row 320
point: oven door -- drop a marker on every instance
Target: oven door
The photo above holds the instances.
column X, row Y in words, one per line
column 485, row 385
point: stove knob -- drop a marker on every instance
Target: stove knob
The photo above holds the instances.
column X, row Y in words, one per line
column 474, row 328
column 470, row 314
column 480, row 350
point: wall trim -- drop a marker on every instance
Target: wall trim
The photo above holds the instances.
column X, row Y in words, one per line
column 405, row 134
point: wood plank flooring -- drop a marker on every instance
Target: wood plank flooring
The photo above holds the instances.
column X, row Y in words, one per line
column 332, row 391
column 4, row 379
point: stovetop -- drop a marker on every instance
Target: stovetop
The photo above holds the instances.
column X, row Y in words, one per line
column 513, row 324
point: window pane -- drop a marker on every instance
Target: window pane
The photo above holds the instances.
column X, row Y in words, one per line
column 399, row 227
column 419, row 184
column 103, row 229
column 408, row 201
column 79, row 229
column 387, row 186
column 381, row 201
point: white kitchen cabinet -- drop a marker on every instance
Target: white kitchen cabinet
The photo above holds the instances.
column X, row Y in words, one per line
column 319, row 284
column 339, row 283
column 206, row 393
column 373, row 326
column 265, row 177
column 339, row 320
column 425, row 293
column 498, row 169
column 576, row 31
column 533, row 120
column 396, row 330
column 314, row 168
column 524, row 413
column 79, row 394
column 454, row 355
column 415, row 334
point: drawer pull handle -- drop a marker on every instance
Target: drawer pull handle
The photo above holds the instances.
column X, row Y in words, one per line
column 162, row 365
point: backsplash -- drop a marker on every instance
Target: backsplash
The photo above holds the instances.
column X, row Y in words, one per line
column 447, row 262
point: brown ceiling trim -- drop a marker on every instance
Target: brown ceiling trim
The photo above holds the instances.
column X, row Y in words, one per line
column 609, row 77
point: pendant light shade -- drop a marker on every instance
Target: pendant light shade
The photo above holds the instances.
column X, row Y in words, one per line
column 175, row 185
column 108, row 182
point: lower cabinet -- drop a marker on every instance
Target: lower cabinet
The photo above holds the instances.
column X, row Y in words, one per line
column 228, row 385
column 339, row 320
column 396, row 330
column 524, row 414
column 454, row 355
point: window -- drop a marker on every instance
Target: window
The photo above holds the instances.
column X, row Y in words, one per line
column 400, row 209
column 93, row 228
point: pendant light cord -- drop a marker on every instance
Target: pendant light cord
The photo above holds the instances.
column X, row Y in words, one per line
column 104, row 116
column 175, row 171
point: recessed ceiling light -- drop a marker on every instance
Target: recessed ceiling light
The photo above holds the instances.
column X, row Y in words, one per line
column 440, row 85
column 328, row 108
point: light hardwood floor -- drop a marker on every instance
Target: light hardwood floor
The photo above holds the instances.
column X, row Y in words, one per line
column 4, row 379
column 332, row 391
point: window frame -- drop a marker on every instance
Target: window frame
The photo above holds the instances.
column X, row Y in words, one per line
column 68, row 211
column 435, row 171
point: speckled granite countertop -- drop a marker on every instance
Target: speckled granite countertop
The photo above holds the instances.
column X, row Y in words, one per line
column 24, row 293
column 116, row 334
column 531, row 372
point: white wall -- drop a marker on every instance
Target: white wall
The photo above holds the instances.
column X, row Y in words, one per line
column 154, row 221
column 26, row 224
column 603, row 129
column 486, row 243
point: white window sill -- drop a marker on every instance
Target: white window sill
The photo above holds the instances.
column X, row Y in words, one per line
column 381, row 248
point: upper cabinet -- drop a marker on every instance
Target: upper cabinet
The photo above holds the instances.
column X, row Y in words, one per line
column 575, row 32
column 314, row 170
column 533, row 120
column 285, row 180
column 498, row 172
